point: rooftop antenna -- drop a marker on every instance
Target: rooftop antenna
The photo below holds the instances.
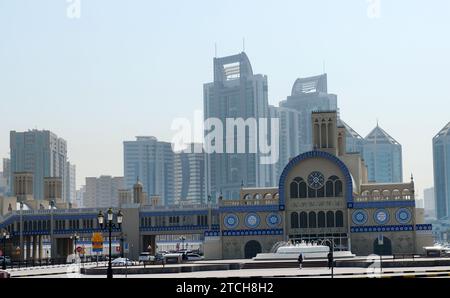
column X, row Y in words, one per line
column 377, row 122
column 243, row 44
column 323, row 66
column 215, row 50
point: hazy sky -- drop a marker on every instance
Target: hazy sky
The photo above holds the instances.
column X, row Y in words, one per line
column 127, row 68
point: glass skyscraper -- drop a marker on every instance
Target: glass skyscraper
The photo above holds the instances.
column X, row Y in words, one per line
column 152, row 162
column 190, row 179
column 41, row 153
column 309, row 95
column 354, row 142
column 235, row 93
column 383, row 157
column 441, row 162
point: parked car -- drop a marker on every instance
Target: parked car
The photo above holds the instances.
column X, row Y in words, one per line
column 5, row 259
column 122, row 262
column 194, row 257
column 159, row 257
column 4, row 274
column 144, row 257
column 173, row 258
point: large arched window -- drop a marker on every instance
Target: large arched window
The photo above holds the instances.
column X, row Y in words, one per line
column 303, row 220
column 294, row 220
column 329, row 186
column 333, row 187
column 339, row 219
column 321, row 192
column 330, row 219
column 302, row 189
column 323, row 134
column 321, row 219
column 268, row 196
column 294, row 190
column 338, row 188
column 312, row 220
column 298, row 188
column 311, row 192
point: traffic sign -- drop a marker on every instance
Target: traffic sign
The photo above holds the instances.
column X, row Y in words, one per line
column 97, row 242
column 79, row 249
column 126, row 247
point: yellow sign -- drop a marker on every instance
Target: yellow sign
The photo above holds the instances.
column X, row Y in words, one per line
column 97, row 242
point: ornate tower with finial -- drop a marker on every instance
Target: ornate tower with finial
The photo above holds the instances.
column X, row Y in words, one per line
column 138, row 192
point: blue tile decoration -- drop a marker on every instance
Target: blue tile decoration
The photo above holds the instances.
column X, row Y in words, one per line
column 252, row 232
column 212, row 233
column 359, row 217
column 273, row 220
column 250, row 208
column 424, row 227
column 385, row 204
column 391, row 228
column 381, row 216
column 252, row 220
column 231, row 220
column 403, row 216
column 173, row 213
column 176, row 228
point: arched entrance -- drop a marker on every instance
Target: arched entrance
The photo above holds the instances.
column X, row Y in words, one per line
column 252, row 248
column 384, row 249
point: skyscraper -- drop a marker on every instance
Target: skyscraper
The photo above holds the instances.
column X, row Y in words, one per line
column 383, row 157
column 41, row 153
column 102, row 192
column 290, row 137
column 71, row 187
column 354, row 142
column 190, row 179
column 309, row 95
column 6, row 176
column 235, row 93
column 441, row 162
column 152, row 162
column 80, row 194
column 429, row 202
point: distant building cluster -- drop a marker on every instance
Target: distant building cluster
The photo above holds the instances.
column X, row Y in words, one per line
column 194, row 177
column 42, row 155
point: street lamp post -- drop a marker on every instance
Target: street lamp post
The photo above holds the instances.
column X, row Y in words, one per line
column 52, row 246
column 21, row 235
column 5, row 236
column 110, row 225
column 182, row 239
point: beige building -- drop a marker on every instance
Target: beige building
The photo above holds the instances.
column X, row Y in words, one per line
column 323, row 196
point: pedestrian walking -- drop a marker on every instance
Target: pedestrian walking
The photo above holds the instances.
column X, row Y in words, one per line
column 330, row 259
column 300, row 260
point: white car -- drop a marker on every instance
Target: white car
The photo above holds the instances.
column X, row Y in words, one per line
column 122, row 262
column 145, row 257
column 194, row 257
